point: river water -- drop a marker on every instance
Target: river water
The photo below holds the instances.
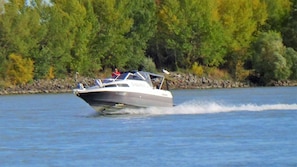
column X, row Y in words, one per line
column 213, row 127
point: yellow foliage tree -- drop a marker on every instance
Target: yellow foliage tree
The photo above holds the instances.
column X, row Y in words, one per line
column 19, row 70
column 50, row 74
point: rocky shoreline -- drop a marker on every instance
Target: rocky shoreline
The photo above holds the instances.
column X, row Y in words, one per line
column 175, row 81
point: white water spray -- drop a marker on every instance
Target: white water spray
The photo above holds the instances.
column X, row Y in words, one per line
column 195, row 107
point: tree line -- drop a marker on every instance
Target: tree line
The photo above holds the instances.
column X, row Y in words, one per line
column 255, row 39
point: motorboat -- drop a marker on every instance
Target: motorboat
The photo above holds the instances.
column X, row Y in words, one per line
column 131, row 89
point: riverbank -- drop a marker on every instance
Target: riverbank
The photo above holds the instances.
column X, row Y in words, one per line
column 175, row 81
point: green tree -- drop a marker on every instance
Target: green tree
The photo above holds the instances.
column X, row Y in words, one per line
column 240, row 20
column 84, row 18
column 20, row 30
column 2, row 9
column 278, row 11
column 15, row 28
column 110, row 44
column 269, row 58
column 289, row 30
column 143, row 28
column 291, row 57
column 2, row 66
column 122, row 31
column 88, row 60
column 65, row 43
column 189, row 31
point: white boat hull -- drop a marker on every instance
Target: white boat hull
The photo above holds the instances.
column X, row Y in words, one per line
column 131, row 89
column 110, row 100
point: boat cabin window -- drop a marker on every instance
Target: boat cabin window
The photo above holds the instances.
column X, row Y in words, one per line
column 117, row 85
column 123, row 85
column 112, row 85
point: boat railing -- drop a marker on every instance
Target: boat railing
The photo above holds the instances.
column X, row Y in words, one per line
column 82, row 85
column 98, row 82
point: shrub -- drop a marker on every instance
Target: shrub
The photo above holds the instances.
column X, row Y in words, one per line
column 241, row 73
column 197, row 69
column 149, row 64
column 19, row 70
column 217, row 73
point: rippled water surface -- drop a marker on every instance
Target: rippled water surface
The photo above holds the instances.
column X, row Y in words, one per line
column 216, row 127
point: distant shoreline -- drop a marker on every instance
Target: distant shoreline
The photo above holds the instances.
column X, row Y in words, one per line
column 175, row 81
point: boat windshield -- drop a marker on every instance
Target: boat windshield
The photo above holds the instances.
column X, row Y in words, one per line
column 131, row 76
column 154, row 80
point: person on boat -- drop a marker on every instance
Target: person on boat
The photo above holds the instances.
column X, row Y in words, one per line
column 115, row 73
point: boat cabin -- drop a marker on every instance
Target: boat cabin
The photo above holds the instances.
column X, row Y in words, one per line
column 154, row 80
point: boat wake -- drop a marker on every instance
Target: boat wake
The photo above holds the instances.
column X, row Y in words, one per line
column 209, row 108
